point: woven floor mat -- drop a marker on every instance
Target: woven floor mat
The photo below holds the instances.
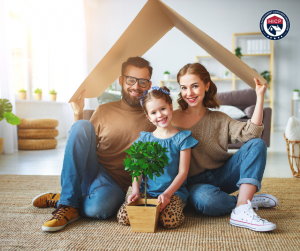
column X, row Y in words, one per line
column 20, row 224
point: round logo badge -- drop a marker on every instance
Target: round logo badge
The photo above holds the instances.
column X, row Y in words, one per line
column 274, row 25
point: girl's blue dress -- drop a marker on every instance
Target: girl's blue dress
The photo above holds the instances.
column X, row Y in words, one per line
column 178, row 142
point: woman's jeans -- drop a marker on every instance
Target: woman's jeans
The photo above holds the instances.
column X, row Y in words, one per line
column 209, row 191
column 85, row 184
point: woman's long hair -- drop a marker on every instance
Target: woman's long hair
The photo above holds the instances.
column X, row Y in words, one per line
column 210, row 98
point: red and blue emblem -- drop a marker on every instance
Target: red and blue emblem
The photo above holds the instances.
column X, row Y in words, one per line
column 274, row 25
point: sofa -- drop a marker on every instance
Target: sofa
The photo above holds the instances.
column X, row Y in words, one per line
column 244, row 100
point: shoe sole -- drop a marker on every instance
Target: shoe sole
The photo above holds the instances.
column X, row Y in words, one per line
column 54, row 229
column 38, row 197
column 251, row 227
column 271, row 197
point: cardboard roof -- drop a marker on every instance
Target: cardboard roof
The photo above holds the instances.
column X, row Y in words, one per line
column 153, row 21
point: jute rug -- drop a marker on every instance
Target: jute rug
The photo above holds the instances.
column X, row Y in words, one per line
column 20, row 224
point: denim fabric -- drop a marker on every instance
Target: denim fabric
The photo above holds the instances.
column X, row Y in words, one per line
column 209, row 191
column 86, row 185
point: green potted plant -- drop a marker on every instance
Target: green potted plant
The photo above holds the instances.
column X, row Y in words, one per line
column 22, row 94
column 238, row 52
column 52, row 94
column 296, row 94
column 38, row 94
column 5, row 113
column 147, row 159
column 166, row 75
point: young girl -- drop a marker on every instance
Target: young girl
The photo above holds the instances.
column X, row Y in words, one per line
column 169, row 188
column 214, row 173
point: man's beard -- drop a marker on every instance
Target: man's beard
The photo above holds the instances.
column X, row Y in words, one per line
column 131, row 101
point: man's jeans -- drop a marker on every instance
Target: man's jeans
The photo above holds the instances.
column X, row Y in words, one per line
column 86, row 185
column 209, row 191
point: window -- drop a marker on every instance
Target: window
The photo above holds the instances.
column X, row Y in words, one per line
column 47, row 41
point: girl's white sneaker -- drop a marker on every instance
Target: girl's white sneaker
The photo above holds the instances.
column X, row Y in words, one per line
column 244, row 216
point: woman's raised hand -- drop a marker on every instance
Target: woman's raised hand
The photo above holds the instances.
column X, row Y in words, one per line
column 260, row 89
column 78, row 105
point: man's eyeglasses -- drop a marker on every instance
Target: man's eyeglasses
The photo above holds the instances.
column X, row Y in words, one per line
column 141, row 82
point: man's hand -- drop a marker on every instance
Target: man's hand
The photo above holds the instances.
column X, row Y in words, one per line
column 133, row 197
column 164, row 199
column 78, row 105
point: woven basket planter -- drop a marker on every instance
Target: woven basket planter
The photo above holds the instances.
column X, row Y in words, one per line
column 293, row 151
column 37, row 133
column 38, row 123
column 36, row 144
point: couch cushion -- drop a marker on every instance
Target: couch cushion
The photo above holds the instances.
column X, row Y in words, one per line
column 249, row 111
column 240, row 98
column 231, row 111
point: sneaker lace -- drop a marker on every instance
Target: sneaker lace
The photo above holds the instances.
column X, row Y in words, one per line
column 252, row 213
column 261, row 203
column 59, row 212
column 51, row 203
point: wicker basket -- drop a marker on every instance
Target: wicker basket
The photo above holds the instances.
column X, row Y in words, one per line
column 38, row 123
column 37, row 133
column 36, row 144
column 293, row 151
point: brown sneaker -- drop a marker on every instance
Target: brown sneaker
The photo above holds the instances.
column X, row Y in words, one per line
column 46, row 200
column 62, row 216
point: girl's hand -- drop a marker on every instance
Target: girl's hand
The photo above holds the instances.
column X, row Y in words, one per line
column 260, row 89
column 164, row 199
column 133, row 197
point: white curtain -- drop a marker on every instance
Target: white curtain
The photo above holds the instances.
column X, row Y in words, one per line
column 58, row 37
column 7, row 131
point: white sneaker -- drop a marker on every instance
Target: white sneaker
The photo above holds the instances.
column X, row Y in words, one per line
column 249, row 219
column 264, row 200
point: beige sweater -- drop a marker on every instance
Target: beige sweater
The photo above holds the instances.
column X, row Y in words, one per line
column 117, row 126
column 214, row 131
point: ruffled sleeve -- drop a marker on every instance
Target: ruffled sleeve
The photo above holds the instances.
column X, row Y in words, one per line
column 186, row 141
column 141, row 138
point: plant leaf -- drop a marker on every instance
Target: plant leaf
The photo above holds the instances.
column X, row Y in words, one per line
column 11, row 118
column 5, row 106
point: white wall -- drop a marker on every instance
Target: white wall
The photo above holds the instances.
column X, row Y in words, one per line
column 107, row 20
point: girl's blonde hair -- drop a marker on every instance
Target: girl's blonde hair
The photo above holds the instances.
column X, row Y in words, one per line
column 156, row 94
column 210, row 98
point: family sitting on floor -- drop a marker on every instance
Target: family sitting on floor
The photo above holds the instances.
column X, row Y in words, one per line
column 201, row 173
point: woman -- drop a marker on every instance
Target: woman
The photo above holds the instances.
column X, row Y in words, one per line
column 214, row 173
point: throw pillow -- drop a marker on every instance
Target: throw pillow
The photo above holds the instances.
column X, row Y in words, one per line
column 231, row 111
column 249, row 111
column 292, row 132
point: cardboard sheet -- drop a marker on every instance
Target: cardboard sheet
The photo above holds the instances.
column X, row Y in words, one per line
column 153, row 21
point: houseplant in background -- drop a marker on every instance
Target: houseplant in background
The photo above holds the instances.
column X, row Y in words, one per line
column 22, row 94
column 38, row 94
column 147, row 159
column 52, row 94
column 238, row 52
column 166, row 75
column 296, row 94
column 5, row 113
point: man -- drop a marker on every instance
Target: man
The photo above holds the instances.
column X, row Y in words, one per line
column 93, row 180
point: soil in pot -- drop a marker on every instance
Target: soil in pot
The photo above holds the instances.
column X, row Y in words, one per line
column 148, row 205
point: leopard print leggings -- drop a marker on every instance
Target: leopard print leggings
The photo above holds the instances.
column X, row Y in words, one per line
column 170, row 217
